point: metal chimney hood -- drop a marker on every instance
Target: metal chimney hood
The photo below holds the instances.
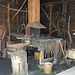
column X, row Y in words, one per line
column 35, row 25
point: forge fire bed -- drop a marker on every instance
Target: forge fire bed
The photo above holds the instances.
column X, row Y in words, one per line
column 47, row 47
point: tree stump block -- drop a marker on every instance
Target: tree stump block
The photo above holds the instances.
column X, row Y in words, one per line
column 19, row 61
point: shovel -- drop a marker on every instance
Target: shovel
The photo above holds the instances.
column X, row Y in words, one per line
column 65, row 59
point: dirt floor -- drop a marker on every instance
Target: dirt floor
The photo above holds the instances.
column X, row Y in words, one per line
column 5, row 66
column 6, row 69
column 34, row 70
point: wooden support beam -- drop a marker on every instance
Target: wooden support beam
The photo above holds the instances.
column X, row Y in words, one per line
column 3, row 15
column 56, row 2
column 49, row 18
column 19, row 9
column 27, row 31
column 50, row 9
column 69, row 23
column 12, row 9
column 26, row 16
column 8, row 22
column 56, row 53
column 41, row 56
column 17, row 15
column 64, row 11
column 64, row 17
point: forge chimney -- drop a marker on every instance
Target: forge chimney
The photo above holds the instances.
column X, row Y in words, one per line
column 34, row 25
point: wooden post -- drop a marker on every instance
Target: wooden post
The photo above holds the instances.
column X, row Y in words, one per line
column 27, row 30
column 49, row 18
column 26, row 16
column 8, row 22
column 69, row 23
column 50, row 9
column 41, row 56
column 56, row 52
column 17, row 15
column 3, row 15
column 64, row 11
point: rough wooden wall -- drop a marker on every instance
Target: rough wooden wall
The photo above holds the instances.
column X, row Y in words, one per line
column 13, row 23
column 3, row 17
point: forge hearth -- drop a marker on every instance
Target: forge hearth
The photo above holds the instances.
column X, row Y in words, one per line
column 35, row 27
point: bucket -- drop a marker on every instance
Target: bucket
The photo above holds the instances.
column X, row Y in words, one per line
column 48, row 67
column 36, row 55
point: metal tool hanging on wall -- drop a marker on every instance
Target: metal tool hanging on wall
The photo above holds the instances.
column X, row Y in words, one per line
column 22, row 24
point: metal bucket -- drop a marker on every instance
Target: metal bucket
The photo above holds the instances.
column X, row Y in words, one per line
column 48, row 67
